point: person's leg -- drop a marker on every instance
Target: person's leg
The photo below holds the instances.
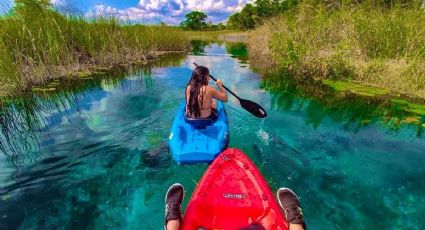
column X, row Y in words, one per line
column 173, row 225
column 173, row 201
column 291, row 207
column 296, row 227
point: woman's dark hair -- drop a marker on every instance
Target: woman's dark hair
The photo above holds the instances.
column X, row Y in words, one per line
column 199, row 78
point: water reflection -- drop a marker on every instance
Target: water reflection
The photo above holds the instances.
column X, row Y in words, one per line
column 198, row 46
column 26, row 123
column 352, row 111
column 236, row 50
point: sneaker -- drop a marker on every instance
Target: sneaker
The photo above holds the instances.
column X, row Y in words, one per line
column 290, row 205
column 173, row 201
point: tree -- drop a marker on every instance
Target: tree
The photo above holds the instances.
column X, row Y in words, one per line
column 234, row 21
column 244, row 20
column 221, row 26
column 195, row 20
column 265, row 7
column 249, row 16
column 253, row 14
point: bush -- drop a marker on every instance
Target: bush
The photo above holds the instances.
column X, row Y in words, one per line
column 347, row 42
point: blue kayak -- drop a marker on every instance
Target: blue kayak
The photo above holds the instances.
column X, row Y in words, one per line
column 198, row 141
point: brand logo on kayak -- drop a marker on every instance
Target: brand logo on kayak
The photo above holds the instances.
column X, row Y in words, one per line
column 233, row 196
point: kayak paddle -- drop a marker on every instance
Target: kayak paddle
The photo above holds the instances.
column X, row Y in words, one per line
column 250, row 106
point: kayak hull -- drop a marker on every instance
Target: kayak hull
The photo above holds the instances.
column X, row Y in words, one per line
column 191, row 144
column 232, row 194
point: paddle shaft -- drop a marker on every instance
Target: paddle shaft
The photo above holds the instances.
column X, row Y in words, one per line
column 228, row 90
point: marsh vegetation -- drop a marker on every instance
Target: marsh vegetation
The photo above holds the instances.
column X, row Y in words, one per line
column 376, row 43
column 38, row 44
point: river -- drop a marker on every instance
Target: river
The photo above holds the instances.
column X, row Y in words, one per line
column 96, row 156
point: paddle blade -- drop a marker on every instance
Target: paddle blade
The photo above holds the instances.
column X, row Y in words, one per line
column 254, row 108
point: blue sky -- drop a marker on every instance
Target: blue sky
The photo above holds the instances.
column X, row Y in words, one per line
column 148, row 11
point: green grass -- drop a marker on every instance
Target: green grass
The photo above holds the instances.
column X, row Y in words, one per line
column 376, row 45
column 354, row 88
column 38, row 44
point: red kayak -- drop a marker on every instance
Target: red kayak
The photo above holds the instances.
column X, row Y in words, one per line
column 233, row 194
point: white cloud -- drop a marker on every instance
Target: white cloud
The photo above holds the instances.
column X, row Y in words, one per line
column 170, row 11
column 134, row 14
column 58, row 2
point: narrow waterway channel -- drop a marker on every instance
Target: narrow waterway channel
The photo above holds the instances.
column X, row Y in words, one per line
column 96, row 156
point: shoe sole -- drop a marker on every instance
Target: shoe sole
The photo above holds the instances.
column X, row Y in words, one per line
column 285, row 190
column 165, row 198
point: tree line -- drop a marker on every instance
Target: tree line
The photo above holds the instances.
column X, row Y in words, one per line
column 250, row 16
column 254, row 14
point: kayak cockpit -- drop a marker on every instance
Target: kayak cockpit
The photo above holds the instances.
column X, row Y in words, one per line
column 198, row 140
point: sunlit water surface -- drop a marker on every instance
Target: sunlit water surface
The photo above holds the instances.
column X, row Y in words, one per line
column 99, row 159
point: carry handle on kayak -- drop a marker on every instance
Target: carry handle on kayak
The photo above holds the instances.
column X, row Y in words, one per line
column 250, row 106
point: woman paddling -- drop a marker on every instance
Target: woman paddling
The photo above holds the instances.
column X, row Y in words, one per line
column 200, row 96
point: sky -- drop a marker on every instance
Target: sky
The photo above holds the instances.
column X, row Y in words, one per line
column 147, row 11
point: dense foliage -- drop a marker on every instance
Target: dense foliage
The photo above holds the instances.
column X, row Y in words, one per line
column 253, row 14
column 197, row 20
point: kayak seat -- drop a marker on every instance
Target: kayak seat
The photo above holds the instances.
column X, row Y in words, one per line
column 199, row 123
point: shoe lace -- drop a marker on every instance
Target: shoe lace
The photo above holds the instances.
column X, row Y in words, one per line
column 173, row 207
column 293, row 213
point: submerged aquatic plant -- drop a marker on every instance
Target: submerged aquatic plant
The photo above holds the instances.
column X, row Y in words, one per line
column 354, row 105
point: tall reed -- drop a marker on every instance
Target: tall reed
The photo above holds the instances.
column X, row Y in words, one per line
column 371, row 42
column 38, row 44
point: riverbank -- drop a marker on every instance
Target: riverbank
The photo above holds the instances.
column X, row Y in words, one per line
column 38, row 45
column 218, row 36
column 363, row 43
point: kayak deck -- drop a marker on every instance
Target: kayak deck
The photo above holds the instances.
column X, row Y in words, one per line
column 190, row 144
column 233, row 194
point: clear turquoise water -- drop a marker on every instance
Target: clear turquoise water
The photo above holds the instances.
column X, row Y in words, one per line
column 96, row 157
